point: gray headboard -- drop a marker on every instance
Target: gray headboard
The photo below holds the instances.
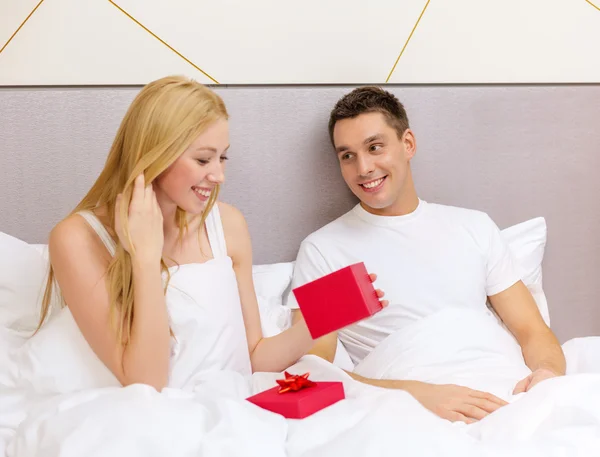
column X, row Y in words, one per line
column 515, row 152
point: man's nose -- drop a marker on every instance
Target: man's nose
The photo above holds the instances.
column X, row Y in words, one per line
column 365, row 167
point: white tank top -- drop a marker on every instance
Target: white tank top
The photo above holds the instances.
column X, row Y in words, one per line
column 204, row 309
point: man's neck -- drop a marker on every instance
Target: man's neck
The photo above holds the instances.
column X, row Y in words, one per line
column 399, row 208
column 407, row 202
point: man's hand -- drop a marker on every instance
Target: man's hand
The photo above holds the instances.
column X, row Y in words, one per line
column 539, row 375
column 455, row 403
column 380, row 293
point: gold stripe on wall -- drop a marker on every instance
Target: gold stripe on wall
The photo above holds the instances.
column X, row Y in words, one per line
column 408, row 40
column 597, row 7
column 163, row 42
column 21, row 26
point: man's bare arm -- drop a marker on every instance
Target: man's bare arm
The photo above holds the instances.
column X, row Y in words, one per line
column 518, row 310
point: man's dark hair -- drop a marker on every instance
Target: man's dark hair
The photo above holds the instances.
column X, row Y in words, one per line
column 370, row 99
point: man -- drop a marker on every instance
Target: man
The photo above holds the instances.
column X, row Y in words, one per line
column 428, row 256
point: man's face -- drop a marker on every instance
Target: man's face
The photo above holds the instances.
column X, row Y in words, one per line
column 373, row 160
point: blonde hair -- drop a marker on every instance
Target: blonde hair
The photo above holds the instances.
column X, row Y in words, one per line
column 163, row 120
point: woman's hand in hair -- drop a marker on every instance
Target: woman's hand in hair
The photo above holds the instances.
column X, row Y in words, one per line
column 146, row 240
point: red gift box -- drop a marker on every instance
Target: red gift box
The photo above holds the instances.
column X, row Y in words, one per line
column 338, row 299
column 298, row 404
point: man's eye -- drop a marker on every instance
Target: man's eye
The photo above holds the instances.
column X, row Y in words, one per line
column 375, row 147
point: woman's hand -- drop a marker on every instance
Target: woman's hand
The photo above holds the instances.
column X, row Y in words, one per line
column 145, row 224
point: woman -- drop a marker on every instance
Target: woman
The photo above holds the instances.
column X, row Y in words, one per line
column 154, row 271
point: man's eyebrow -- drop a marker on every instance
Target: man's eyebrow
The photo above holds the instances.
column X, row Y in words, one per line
column 376, row 137
column 372, row 138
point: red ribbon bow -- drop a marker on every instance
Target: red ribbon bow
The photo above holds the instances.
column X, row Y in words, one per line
column 294, row 382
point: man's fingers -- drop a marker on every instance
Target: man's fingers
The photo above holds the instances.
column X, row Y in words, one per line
column 521, row 386
column 384, row 303
column 488, row 396
column 486, row 405
column 458, row 417
column 380, row 293
column 472, row 412
column 533, row 381
column 373, row 277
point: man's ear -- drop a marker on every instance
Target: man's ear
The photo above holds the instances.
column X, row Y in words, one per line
column 410, row 143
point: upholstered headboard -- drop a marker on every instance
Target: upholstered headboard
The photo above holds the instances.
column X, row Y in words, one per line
column 515, row 152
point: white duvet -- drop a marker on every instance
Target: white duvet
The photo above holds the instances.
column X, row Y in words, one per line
column 559, row 417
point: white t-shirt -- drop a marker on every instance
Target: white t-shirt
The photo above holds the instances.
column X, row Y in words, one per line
column 426, row 261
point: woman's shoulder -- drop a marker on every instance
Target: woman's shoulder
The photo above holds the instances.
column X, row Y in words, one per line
column 73, row 228
column 232, row 218
column 74, row 236
column 235, row 228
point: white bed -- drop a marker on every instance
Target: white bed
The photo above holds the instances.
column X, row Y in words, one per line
column 59, row 400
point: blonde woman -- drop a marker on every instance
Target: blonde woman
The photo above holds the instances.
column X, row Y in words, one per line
column 152, row 220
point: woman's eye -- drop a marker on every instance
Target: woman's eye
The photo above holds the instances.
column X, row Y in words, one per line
column 202, row 161
column 224, row 158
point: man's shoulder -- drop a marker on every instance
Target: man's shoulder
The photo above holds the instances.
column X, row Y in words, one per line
column 332, row 227
column 459, row 214
column 329, row 231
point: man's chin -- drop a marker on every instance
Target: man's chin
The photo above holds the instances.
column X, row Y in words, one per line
column 373, row 205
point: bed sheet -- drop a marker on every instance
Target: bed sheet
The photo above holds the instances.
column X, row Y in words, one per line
column 558, row 417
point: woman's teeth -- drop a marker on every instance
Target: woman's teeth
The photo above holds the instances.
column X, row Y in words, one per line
column 204, row 193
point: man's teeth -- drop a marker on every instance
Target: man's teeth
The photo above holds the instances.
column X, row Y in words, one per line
column 204, row 193
column 372, row 184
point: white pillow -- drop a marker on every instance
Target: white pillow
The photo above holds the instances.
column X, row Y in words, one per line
column 270, row 283
column 582, row 354
column 42, row 249
column 22, row 279
column 527, row 242
column 57, row 360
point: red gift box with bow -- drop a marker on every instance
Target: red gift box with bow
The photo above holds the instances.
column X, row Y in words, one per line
column 297, row 397
column 338, row 299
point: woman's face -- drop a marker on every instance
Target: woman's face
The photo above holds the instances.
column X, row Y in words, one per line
column 189, row 181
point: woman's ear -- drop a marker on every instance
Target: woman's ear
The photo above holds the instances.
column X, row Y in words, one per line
column 156, row 183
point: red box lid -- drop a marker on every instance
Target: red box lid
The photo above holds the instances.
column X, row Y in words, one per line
column 338, row 299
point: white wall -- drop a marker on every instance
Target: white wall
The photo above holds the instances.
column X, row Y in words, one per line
column 75, row 42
